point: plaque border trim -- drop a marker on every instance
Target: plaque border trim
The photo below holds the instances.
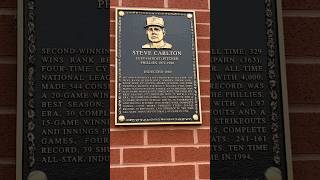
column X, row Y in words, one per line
column 285, row 107
column 116, row 67
column 19, row 116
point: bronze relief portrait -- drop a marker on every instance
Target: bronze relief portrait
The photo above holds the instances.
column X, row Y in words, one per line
column 156, row 32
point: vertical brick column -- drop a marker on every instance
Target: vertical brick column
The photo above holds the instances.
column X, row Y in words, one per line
column 165, row 152
column 8, row 46
column 302, row 41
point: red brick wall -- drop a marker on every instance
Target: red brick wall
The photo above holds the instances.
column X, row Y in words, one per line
column 185, row 154
column 8, row 46
column 165, row 152
column 302, row 41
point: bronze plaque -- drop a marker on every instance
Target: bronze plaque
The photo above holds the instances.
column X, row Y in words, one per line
column 157, row 79
column 63, row 90
column 250, row 137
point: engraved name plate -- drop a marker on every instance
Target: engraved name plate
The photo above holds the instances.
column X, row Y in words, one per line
column 157, row 80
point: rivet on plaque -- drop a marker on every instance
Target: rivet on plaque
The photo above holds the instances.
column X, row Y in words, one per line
column 37, row 175
column 121, row 118
column 195, row 117
column 121, row 13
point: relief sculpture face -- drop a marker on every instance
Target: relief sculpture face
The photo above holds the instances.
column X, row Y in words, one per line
column 156, row 32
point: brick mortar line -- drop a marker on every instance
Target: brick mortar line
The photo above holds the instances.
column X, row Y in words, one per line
column 145, row 173
column 206, row 81
column 197, row 10
column 208, row 163
column 158, row 164
column 195, row 136
column 196, row 171
column 145, row 137
column 204, row 66
column 160, row 128
column 166, row 3
column 8, row 60
column 203, row 24
column 8, row 11
column 304, row 108
column 159, row 146
column 303, row 60
column 169, row 8
column 8, row 110
column 205, row 52
column 301, row 13
column 173, row 154
column 203, row 37
column 7, row 161
column 121, row 155
column 306, row 157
